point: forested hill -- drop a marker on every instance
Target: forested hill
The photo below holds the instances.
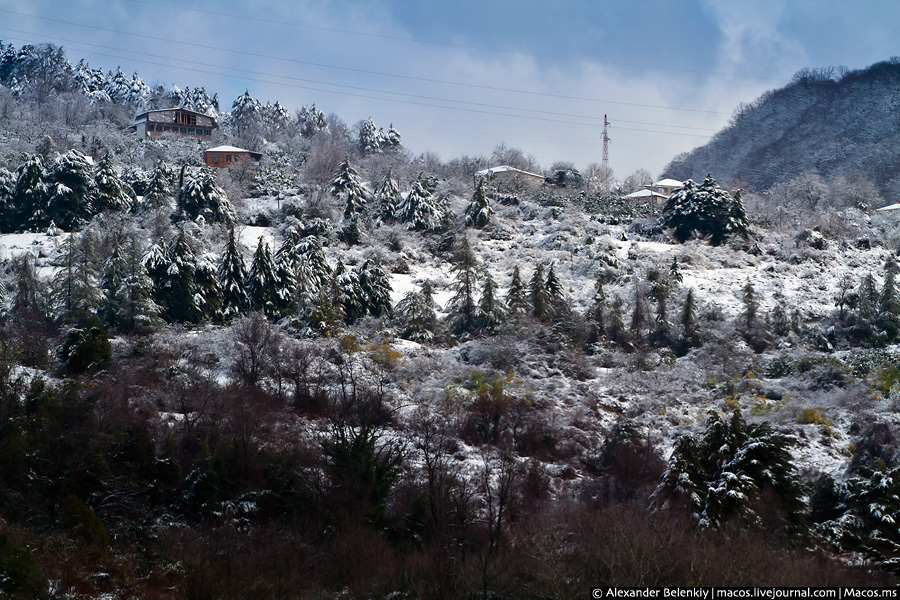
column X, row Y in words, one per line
column 826, row 120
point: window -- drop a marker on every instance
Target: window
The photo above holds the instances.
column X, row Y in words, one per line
column 184, row 130
column 227, row 158
column 216, row 158
column 191, row 130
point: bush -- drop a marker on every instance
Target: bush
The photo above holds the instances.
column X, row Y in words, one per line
column 86, row 349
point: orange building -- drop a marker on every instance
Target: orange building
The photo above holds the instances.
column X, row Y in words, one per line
column 230, row 156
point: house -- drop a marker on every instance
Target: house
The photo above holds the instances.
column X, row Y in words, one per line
column 230, row 156
column 656, row 193
column 666, row 186
column 177, row 121
column 649, row 195
column 507, row 174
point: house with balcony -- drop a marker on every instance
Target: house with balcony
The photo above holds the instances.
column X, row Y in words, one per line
column 181, row 122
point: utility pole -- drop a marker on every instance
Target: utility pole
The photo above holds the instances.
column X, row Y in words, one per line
column 605, row 142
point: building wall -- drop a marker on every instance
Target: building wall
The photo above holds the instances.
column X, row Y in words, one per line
column 229, row 159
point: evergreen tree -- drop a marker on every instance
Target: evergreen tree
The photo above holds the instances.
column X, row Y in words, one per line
column 201, row 196
column 479, row 211
column 29, row 296
column 76, row 292
column 393, row 139
column 597, row 311
column 111, row 276
column 660, row 288
column 7, row 207
column 638, row 316
column 72, row 193
column 232, row 277
column 889, row 304
column 30, row 195
column 245, row 113
column 462, row 309
column 616, row 329
column 112, row 192
column 262, row 285
column 389, row 197
column 688, row 320
column 157, row 193
column 537, row 295
column 135, row 310
column 516, row 299
column 558, row 306
column 353, row 300
column 751, row 306
column 371, row 140
column 675, row 271
column 328, row 315
column 348, row 185
column 376, row 289
column 706, row 209
column 178, row 292
column 417, row 311
column 721, row 474
column 419, row 210
column 208, row 298
column 491, row 310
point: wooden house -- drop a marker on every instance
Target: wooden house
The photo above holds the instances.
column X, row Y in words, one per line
column 174, row 121
column 231, row 156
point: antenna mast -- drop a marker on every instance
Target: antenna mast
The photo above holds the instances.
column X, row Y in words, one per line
column 605, row 142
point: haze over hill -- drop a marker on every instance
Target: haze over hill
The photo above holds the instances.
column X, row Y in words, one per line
column 827, row 120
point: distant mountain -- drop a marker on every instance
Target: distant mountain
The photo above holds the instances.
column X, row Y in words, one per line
column 827, row 120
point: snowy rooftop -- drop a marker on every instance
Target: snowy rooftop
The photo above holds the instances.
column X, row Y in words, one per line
column 646, row 194
column 505, row 169
column 890, row 207
column 669, row 183
column 227, row 149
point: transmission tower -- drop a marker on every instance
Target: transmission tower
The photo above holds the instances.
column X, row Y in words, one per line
column 605, row 142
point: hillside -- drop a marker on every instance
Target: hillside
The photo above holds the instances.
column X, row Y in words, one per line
column 833, row 123
column 352, row 372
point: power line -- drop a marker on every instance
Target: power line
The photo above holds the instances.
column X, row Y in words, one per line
column 365, row 71
column 352, row 87
column 366, row 96
column 453, row 45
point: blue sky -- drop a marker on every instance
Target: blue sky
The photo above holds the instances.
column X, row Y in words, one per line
column 460, row 77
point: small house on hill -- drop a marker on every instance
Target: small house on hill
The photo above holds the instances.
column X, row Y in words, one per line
column 655, row 198
column 508, row 175
column 231, row 156
column 666, row 186
column 176, row 121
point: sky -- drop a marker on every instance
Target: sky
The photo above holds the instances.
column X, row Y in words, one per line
column 458, row 78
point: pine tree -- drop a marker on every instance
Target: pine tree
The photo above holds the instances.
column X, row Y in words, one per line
column 638, row 316
column 371, row 140
column 675, row 271
column 111, row 276
column 616, row 329
column 389, row 197
column 491, row 310
column 417, row 311
column 112, row 192
column 135, row 310
column 348, row 185
column 178, row 290
column 29, row 290
column 689, row 321
column 706, row 209
column 261, row 283
column 232, row 277
column 516, row 299
column 558, row 306
column 479, row 211
column 393, row 139
column 419, row 210
column 245, row 113
column 30, row 195
column 353, row 300
column 72, row 193
column 76, row 291
column 751, row 306
column 889, row 304
column 157, row 193
column 208, row 298
column 462, row 309
column 597, row 311
column 537, row 295
column 376, row 289
column 7, row 207
column 327, row 315
column 200, row 196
